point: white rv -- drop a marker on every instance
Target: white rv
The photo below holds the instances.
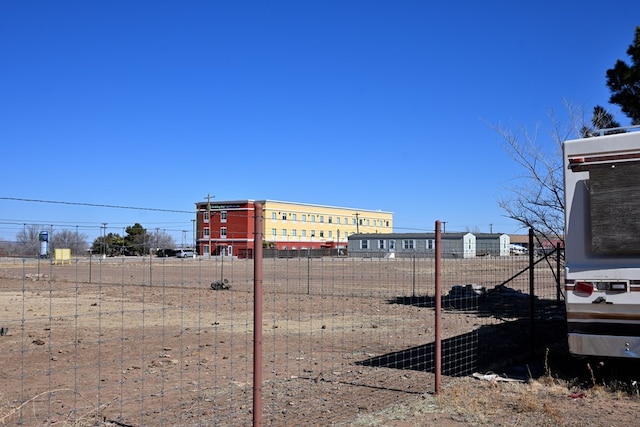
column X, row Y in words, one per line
column 602, row 244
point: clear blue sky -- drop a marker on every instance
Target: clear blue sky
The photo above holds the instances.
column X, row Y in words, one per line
column 364, row 104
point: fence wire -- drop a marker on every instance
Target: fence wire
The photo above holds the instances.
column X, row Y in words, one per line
column 164, row 341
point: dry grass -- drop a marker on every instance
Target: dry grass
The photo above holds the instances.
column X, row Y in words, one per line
column 546, row 401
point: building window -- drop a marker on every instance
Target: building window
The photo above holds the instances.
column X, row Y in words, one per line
column 304, row 233
column 274, row 232
column 367, row 223
column 205, row 217
column 294, row 217
column 284, row 232
column 381, row 244
column 304, row 218
column 294, row 232
column 321, row 219
column 206, row 232
column 284, row 216
column 274, row 216
column 360, row 222
column 364, row 244
column 313, row 218
column 223, row 232
column 330, row 219
column 223, row 216
column 321, row 234
column 330, row 234
column 429, row 244
column 387, row 223
column 338, row 220
column 407, row 244
column 313, row 233
column 392, row 244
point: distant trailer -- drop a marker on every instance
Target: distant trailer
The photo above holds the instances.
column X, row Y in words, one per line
column 602, row 244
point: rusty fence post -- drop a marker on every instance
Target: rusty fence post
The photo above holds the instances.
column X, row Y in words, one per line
column 257, row 314
column 438, row 311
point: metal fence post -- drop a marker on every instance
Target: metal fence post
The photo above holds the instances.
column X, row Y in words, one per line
column 558, row 272
column 531, row 295
column 438, row 312
column 257, row 315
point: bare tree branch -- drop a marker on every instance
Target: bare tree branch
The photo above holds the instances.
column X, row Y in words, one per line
column 537, row 198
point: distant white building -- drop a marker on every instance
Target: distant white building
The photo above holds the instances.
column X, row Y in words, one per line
column 454, row 245
column 493, row 244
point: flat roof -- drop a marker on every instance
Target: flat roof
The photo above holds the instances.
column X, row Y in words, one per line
column 229, row 202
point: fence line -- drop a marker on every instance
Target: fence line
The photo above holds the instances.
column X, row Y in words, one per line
column 148, row 341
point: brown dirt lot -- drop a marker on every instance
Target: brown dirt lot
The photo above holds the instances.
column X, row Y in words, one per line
column 147, row 342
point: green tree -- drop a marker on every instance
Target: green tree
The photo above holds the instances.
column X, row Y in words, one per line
column 601, row 119
column 137, row 241
column 623, row 81
column 110, row 245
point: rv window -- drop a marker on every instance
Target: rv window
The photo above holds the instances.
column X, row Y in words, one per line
column 615, row 209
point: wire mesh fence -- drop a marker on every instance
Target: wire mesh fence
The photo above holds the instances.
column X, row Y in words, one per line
column 153, row 341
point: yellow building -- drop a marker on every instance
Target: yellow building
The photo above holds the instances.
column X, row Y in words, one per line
column 291, row 225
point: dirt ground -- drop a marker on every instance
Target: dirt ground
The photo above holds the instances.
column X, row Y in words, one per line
column 130, row 343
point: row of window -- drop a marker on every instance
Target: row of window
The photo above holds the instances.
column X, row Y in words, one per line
column 312, row 218
column 312, row 233
column 330, row 219
column 391, row 244
column 284, row 233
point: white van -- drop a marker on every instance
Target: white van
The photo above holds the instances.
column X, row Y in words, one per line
column 185, row 253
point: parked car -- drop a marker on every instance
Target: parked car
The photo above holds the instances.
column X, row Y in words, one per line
column 163, row 253
column 185, row 253
column 518, row 250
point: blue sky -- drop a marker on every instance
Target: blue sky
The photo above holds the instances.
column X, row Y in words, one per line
column 365, row 104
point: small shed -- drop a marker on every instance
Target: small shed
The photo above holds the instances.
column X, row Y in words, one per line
column 493, row 244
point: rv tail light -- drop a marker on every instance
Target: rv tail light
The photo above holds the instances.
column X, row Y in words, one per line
column 576, row 160
column 585, row 288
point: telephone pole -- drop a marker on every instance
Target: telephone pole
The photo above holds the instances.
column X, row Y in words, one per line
column 210, row 222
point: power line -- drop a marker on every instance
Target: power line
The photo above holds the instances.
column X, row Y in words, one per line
column 95, row 205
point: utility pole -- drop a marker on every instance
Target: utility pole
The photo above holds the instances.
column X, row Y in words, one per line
column 357, row 214
column 210, row 222
column 490, row 228
column 193, row 233
column 104, row 239
column 444, row 226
